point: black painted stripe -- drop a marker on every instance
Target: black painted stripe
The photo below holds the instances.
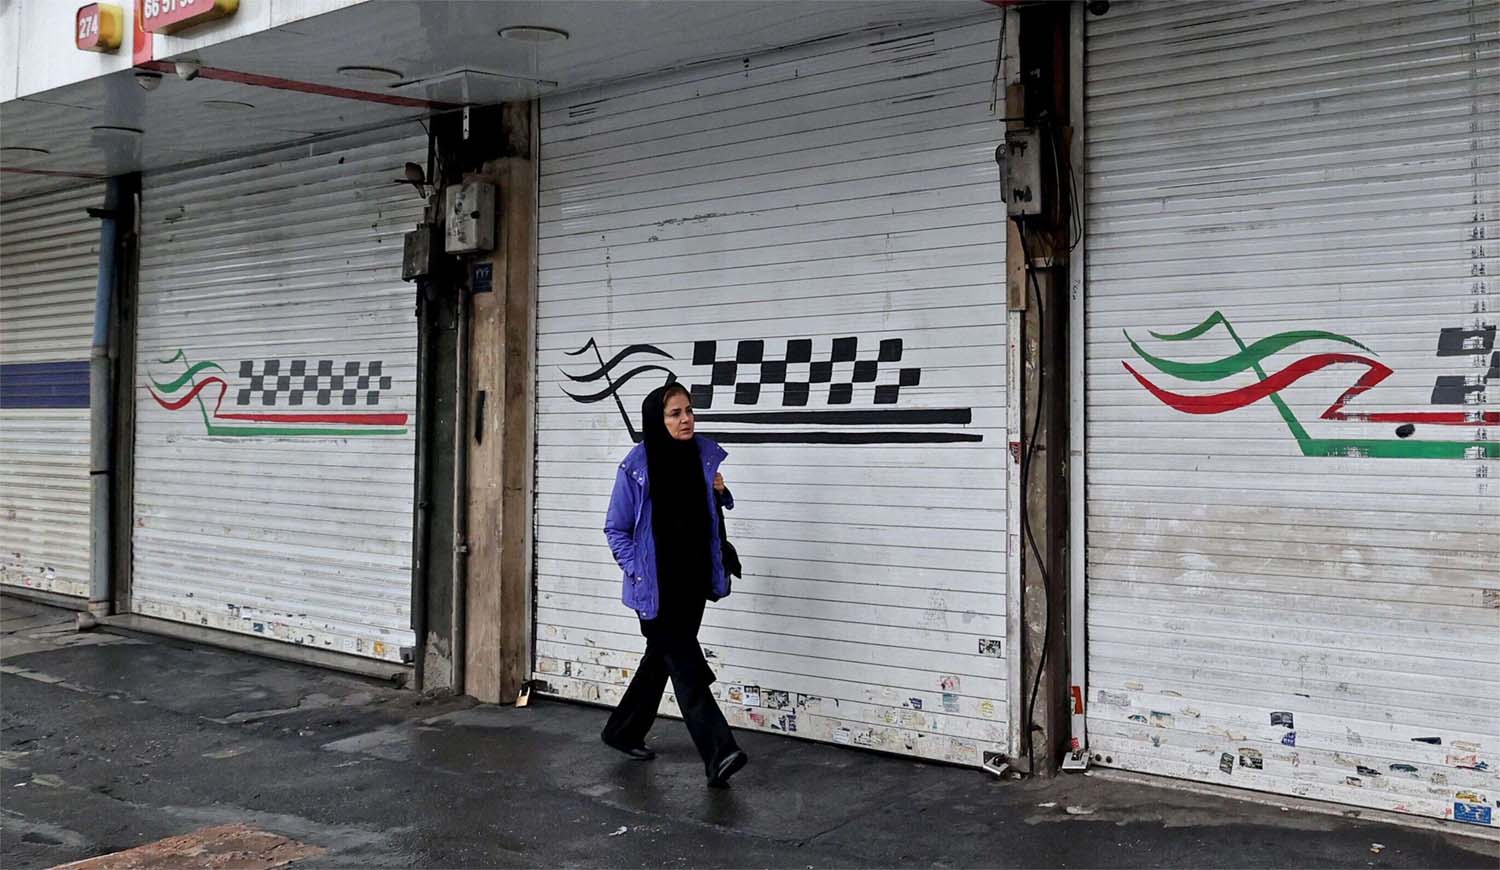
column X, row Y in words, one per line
column 844, row 437
column 892, row 416
column 1452, row 339
column 63, row 384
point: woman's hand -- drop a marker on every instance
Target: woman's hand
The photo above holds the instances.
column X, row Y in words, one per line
column 719, row 484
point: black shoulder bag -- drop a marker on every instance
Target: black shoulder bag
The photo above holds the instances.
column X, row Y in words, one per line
column 728, row 554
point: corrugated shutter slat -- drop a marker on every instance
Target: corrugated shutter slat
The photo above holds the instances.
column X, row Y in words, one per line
column 842, row 195
column 1287, row 593
column 49, row 263
column 282, row 271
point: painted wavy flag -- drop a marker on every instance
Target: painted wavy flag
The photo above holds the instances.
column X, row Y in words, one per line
column 1269, row 386
column 749, row 392
column 207, row 379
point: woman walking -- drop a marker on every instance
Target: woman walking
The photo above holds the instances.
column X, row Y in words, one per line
column 663, row 528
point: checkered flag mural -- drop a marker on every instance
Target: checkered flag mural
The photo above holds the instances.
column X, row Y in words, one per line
column 1473, row 342
column 311, row 382
column 742, row 377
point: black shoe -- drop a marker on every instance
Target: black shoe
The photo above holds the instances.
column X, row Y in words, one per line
column 639, row 753
column 728, row 767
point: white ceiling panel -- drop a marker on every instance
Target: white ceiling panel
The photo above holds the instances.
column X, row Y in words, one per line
column 446, row 52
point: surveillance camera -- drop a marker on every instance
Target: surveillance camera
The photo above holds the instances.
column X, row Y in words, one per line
column 149, row 81
column 1098, row 7
column 187, row 70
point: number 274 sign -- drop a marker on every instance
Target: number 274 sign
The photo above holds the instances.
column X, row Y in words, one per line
column 169, row 16
column 99, row 27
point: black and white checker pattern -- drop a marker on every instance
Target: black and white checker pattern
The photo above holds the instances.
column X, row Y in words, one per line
column 301, row 381
column 1477, row 344
column 798, row 373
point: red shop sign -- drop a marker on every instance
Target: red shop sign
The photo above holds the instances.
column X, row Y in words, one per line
column 170, row 16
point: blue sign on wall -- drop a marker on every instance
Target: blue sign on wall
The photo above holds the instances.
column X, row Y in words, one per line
column 484, row 278
column 1477, row 814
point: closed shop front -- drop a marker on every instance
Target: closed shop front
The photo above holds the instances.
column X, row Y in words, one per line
column 1293, row 445
column 275, row 387
column 813, row 242
column 49, row 263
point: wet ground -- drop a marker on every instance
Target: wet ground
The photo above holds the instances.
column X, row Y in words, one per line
column 109, row 743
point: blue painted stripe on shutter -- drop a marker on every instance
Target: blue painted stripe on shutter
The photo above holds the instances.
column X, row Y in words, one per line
column 63, row 384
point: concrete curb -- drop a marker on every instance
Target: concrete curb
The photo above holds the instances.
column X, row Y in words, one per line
column 133, row 624
column 1300, row 805
column 51, row 599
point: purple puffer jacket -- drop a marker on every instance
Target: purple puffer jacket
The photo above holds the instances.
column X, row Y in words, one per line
column 627, row 526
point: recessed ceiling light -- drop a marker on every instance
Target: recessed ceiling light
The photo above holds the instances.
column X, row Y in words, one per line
column 527, row 33
column 370, row 73
column 227, row 105
column 111, row 129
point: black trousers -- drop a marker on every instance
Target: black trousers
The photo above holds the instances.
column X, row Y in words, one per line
column 672, row 650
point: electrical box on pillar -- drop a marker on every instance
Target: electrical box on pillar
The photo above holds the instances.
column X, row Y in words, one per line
column 470, row 215
column 417, row 251
column 1021, row 173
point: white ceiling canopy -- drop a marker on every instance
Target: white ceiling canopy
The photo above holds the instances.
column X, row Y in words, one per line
column 378, row 63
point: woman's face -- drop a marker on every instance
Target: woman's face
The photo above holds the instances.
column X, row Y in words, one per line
column 679, row 416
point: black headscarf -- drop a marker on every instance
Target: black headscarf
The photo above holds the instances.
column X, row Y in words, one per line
column 679, row 504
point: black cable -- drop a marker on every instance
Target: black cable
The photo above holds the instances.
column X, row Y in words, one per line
column 1075, row 221
column 999, row 64
column 1075, row 213
column 1059, row 160
column 1026, row 457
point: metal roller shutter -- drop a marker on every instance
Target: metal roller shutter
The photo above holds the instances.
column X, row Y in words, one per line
column 1292, row 517
column 276, row 379
column 49, row 263
column 812, row 240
